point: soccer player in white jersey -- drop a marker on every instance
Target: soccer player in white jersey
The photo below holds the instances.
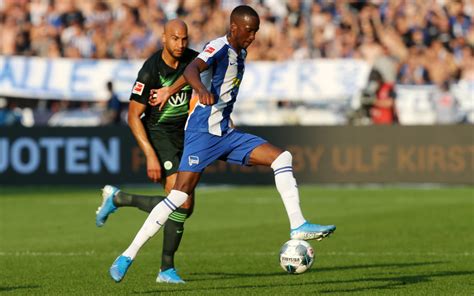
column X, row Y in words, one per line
column 215, row 76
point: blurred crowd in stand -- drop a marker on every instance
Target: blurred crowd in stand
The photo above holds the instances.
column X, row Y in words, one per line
column 413, row 42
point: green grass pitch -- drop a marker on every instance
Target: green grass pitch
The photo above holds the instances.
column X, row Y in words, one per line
column 389, row 241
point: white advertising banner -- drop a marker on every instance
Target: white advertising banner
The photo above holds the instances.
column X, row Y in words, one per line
column 310, row 80
column 416, row 104
column 85, row 80
column 65, row 79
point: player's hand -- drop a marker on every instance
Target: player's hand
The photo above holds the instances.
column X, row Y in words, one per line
column 205, row 97
column 153, row 169
column 159, row 97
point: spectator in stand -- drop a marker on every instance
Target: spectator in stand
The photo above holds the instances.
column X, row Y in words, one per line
column 467, row 65
column 446, row 106
column 114, row 107
column 441, row 65
column 9, row 113
column 413, row 70
column 4, row 112
column 383, row 107
column 409, row 42
column 132, row 29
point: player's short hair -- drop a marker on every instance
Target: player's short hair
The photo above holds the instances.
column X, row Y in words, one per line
column 243, row 10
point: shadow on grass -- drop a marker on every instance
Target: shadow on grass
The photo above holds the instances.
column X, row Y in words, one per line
column 223, row 275
column 12, row 288
column 393, row 282
column 389, row 282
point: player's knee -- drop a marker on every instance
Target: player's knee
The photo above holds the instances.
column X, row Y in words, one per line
column 284, row 159
column 186, row 184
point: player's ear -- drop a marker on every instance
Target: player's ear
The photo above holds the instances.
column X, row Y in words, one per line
column 233, row 28
column 163, row 39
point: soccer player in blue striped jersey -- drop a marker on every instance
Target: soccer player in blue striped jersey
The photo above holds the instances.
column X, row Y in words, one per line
column 215, row 75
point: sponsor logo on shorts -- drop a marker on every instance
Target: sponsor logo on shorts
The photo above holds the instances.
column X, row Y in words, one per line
column 168, row 165
column 138, row 88
column 193, row 159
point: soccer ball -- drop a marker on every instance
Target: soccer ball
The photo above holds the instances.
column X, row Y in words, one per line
column 296, row 256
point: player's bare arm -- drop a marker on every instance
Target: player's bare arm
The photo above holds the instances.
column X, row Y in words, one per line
column 161, row 96
column 192, row 76
column 135, row 110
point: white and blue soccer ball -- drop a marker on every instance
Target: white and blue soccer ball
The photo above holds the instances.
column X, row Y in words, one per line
column 296, row 256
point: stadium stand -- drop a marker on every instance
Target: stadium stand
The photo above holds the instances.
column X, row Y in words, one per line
column 417, row 47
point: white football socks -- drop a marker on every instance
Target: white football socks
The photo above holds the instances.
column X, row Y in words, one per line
column 155, row 220
column 287, row 187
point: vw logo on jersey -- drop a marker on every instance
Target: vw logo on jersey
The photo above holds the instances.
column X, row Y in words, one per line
column 178, row 99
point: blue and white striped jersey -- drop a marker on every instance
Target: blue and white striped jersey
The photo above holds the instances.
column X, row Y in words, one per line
column 222, row 79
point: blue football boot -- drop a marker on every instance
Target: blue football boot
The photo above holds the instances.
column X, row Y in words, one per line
column 309, row 231
column 107, row 207
column 119, row 267
column 169, row 276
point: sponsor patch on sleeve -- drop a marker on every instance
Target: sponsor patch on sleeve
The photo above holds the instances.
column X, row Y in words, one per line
column 209, row 49
column 138, row 88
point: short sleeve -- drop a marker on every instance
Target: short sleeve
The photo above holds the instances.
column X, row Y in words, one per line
column 213, row 52
column 144, row 83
